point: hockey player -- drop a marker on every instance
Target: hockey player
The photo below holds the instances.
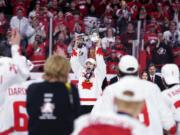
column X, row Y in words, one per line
column 155, row 117
column 14, row 69
column 14, row 118
column 170, row 75
column 90, row 76
column 128, row 102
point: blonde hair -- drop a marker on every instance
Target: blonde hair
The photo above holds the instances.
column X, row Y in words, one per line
column 57, row 67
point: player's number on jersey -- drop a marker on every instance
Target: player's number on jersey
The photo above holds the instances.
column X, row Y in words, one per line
column 20, row 119
column 144, row 116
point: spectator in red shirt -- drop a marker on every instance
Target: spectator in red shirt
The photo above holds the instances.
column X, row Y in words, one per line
column 112, row 62
column 53, row 6
column 82, row 6
column 43, row 3
column 150, row 7
column 100, row 5
column 160, row 14
column 153, row 22
column 59, row 19
column 61, row 28
column 24, row 4
column 134, row 7
column 119, row 47
column 128, row 37
column 109, row 13
column 37, row 52
column 150, row 41
column 43, row 17
column 61, row 43
column 76, row 21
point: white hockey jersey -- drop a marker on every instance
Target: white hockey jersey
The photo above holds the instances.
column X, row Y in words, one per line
column 156, row 115
column 12, row 70
column 89, row 91
column 172, row 99
column 13, row 116
column 108, row 123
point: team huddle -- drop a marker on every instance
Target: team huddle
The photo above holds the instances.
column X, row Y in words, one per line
column 52, row 105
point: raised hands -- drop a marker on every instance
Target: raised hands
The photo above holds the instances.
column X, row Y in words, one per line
column 15, row 37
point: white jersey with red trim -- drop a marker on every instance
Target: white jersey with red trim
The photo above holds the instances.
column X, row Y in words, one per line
column 172, row 99
column 13, row 116
column 108, row 123
column 12, row 70
column 89, row 90
column 155, row 115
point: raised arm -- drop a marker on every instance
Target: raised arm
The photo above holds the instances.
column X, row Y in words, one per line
column 13, row 70
column 21, row 62
column 74, row 61
column 101, row 66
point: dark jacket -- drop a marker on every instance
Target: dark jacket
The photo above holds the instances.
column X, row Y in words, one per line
column 162, row 54
column 52, row 108
column 158, row 81
column 113, row 80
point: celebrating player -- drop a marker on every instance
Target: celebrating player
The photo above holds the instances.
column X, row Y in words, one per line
column 90, row 77
column 128, row 102
column 14, row 69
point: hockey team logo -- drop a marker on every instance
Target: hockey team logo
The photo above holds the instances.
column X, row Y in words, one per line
column 38, row 50
column 47, row 108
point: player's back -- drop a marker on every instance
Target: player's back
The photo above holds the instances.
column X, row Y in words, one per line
column 172, row 99
column 155, row 114
column 9, row 75
column 13, row 116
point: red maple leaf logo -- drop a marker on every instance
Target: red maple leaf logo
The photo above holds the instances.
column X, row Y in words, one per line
column 87, row 85
column 74, row 53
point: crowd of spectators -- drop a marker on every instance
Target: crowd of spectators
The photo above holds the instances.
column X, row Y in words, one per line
column 115, row 20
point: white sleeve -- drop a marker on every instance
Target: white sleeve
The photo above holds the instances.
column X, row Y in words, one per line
column 166, row 99
column 75, row 64
column 22, row 63
column 104, row 103
column 166, row 115
column 101, row 66
column 12, row 70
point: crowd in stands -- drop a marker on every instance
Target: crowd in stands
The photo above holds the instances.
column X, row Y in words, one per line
column 115, row 20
